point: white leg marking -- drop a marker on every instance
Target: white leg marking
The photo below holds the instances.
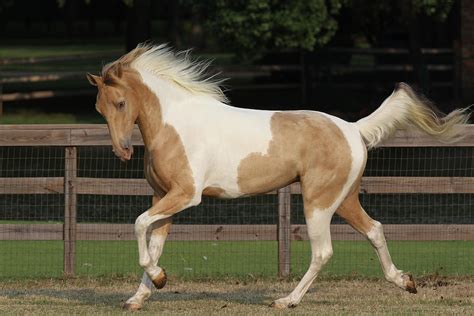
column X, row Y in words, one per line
column 155, row 248
column 145, row 220
column 141, row 226
column 321, row 251
column 377, row 239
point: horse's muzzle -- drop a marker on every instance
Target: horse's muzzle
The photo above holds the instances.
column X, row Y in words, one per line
column 125, row 150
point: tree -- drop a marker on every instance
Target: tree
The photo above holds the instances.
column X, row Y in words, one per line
column 372, row 19
column 252, row 27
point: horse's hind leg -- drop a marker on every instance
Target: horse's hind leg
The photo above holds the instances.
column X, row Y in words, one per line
column 159, row 232
column 318, row 224
column 354, row 214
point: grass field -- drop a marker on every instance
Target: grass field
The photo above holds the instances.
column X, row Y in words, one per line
column 436, row 296
column 245, row 259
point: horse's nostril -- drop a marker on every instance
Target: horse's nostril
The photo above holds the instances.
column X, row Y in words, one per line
column 126, row 144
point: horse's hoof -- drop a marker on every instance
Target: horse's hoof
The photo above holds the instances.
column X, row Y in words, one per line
column 160, row 280
column 132, row 307
column 410, row 285
column 279, row 305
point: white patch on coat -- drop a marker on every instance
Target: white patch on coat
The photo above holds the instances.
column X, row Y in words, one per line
column 321, row 251
column 216, row 136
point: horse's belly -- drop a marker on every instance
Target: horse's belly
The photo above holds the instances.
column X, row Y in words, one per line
column 266, row 183
column 260, row 178
column 262, row 175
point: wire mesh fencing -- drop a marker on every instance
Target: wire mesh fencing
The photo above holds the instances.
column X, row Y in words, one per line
column 71, row 209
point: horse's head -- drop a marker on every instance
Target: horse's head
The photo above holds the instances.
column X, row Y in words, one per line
column 118, row 103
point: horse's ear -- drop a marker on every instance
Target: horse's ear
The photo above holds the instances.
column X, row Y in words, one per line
column 94, row 80
column 119, row 70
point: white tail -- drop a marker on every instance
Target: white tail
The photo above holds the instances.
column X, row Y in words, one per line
column 404, row 108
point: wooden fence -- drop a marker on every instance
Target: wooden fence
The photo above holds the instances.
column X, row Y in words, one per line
column 72, row 136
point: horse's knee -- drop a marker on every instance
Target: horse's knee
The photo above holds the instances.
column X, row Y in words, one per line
column 322, row 257
column 376, row 236
column 141, row 224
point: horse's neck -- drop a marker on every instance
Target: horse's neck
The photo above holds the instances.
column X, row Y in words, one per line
column 167, row 93
column 174, row 104
column 149, row 123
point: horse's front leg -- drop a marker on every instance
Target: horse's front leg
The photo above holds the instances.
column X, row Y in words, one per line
column 173, row 202
column 160, row 230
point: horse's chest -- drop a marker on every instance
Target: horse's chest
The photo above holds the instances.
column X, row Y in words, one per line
column 167, row 168
column 158, row 182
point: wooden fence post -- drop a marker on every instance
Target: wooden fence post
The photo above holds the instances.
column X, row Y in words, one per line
column 70, row 204
column 284, row 233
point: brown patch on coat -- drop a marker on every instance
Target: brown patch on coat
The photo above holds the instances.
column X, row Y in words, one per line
column 163, row 226
column 167, row 168
column 170, row 172
column 213, row 191
column 306, row 146
column 353, row 213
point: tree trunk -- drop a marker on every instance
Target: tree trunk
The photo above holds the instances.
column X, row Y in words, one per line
column 138, row 23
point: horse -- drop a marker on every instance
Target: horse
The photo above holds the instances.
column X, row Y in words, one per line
column 197, row 144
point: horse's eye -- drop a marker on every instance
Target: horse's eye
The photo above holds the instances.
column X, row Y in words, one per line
column 121, row 105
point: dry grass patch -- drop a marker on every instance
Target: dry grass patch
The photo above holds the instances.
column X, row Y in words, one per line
column 436, row 296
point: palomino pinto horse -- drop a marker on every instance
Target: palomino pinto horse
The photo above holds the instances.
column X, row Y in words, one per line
column 196, row 144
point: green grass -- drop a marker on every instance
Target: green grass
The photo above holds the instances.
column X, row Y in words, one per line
column 201, row 259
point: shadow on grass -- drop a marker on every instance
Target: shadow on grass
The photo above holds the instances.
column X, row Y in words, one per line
column 93, row 297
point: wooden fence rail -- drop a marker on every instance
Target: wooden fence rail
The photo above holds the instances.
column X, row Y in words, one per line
column 72, row 136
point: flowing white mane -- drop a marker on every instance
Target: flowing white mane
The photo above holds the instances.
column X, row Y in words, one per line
column 178, row 68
